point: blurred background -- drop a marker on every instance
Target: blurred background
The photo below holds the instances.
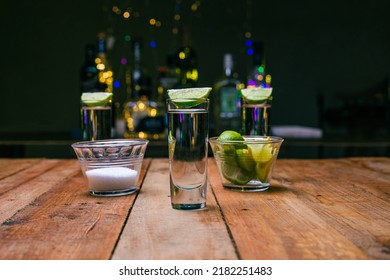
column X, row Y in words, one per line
column 329, row 62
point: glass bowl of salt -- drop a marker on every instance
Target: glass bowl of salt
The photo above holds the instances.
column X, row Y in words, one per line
column 111, row 167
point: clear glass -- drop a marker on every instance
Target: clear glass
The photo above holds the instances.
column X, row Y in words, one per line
column 188, row 127
column 255, row 118
column 246, row 165
column 96, row 122
column 111, row 167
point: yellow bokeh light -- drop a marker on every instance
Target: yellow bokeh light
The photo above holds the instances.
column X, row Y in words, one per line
column 175, row 30
column 158, row 23
column 141, row 106
column 193, row 75
column 182, row 55
column 98, row 60
column 100, row 66
column 141, row 135
column 177, row 17
column 248, row 35
column 126, row 14
column 153, row 112
column 152, row 21
column 268, row 79
column 116, row 10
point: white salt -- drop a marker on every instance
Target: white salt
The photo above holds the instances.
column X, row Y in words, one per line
column 111, row 178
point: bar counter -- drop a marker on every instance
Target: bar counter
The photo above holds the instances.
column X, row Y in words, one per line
column 315, row 209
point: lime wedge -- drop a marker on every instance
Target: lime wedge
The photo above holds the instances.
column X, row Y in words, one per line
column 245, row 160
column 96, row 98
column 263, row 170
column 256, row 95
column 230, row 135
column 261, row 153
column 233, row 173
column 187, row 97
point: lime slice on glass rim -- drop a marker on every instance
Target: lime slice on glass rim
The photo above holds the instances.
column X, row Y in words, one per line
column 189, row 97
column 96, row 98
column 256, row 95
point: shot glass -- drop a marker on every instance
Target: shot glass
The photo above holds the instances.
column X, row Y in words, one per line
column 96, row 121
column 188, row 128
column 111, row 167
column 255, row 118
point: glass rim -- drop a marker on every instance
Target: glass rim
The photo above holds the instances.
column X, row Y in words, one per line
column 188, row 99
column 109, row 143
column 249, row 139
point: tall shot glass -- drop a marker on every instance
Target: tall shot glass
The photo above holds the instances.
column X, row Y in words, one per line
column 96, row 119
column 188, row 127
column 255, row 117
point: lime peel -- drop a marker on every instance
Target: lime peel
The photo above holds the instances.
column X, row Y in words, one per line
column 96, row 98
column 256, row 95
column 189, row 97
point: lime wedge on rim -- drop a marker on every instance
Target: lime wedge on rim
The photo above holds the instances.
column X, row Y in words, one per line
column 96, row 98
column 256, row 95
column 187, row 97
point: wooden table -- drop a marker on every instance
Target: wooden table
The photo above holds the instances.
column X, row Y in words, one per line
column 315, row 209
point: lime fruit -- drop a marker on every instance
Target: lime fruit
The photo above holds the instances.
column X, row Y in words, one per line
column 245, row 159
column 261, row 152
column 96, row 98
column 233, row 173
column 230, row 135
column 263, row 170
column 256, row 95
column 188, row 97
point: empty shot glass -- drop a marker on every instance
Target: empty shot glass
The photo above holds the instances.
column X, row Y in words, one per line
column 188, row 127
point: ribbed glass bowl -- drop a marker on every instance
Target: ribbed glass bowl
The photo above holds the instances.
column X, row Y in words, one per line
column 111, row 167
column 246, row 165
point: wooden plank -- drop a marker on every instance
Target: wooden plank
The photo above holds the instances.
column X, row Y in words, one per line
column 9, row 167
column 289, row 222
column 64, row 221
column 156, row 231
column 352, row 197
column 25, row 180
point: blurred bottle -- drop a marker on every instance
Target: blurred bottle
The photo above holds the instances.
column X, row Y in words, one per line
column 105, row 74
column 185, row 60
column 226, row 99
column 144, row 117
column 167, row 79
column 89, row 71
column 258, row 76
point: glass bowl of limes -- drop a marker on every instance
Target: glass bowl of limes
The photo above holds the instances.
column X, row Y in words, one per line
column 245, row 163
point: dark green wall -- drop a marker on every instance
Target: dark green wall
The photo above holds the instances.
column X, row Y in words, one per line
column 311, row 46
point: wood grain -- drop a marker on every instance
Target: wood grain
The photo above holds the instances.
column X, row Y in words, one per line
column 53, row 217
column 315, row 209
column 156, row 231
